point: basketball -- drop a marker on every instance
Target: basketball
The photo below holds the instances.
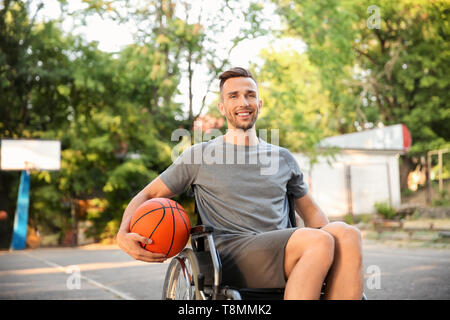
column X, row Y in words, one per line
column 165, row 222
column 3, row 215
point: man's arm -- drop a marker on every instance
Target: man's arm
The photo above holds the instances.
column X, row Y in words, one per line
column 129, row 242
column 309, row 211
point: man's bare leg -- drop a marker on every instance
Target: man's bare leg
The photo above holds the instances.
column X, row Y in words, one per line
column 308, row 257
column 345, row 278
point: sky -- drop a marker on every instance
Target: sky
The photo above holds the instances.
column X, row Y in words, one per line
column 112, row 37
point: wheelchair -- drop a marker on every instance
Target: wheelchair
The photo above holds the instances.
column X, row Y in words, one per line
column 196, row 272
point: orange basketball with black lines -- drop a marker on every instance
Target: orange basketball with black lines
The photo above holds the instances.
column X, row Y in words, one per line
column 165, row 222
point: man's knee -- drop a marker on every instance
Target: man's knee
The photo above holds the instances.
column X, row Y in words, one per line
column 316, row 244
column 324, row 240
column 341, row 231
column 346, row 237
column 305, row 239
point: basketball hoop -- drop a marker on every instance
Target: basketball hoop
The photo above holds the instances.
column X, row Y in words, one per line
column 28, row 166
column 25, row 155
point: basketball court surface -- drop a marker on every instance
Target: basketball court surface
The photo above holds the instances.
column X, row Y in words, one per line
column 107, row 273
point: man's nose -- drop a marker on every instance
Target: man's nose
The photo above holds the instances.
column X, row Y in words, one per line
column 243, row 101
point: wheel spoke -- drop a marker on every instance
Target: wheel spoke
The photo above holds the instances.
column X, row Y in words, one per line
column 179, row 283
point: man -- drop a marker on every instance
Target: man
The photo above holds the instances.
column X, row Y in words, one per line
column 247, row 208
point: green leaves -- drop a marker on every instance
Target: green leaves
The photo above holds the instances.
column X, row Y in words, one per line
column 293, row 100
column 112, row 112
column 394, row 73
column 129, row 176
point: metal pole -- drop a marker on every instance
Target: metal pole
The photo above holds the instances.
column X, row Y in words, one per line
column 19, row 237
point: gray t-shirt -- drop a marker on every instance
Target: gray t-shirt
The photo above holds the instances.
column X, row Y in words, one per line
column 238, row 189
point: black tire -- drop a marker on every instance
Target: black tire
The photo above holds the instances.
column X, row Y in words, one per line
column 181, row 281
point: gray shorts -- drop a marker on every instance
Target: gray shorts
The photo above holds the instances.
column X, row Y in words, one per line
column 253, row 261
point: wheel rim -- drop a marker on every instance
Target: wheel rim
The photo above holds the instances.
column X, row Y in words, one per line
column 183, row 287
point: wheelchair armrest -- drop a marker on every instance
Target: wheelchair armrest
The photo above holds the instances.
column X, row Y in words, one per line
column 201, row 230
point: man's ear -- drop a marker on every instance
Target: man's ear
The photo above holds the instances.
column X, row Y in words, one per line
column 221, row 108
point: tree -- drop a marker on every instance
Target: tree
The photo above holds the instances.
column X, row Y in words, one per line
column 293, row 100
column 56, row 86
column 188, row 36
column 32, row 68
column 382, row 63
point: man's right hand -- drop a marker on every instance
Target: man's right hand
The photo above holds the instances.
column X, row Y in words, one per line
column 130, row 243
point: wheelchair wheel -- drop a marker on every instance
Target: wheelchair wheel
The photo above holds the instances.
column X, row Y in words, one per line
column 181, row 282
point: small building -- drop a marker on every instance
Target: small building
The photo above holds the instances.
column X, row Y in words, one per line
column 364, row 171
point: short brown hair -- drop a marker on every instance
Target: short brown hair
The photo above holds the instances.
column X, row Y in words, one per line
column 234, row 73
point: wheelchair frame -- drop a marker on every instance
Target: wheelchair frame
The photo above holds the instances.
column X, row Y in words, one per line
column 192, row 268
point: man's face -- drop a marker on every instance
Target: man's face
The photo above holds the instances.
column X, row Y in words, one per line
column 240, row 103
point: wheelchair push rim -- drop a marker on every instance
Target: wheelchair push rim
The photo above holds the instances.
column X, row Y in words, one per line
column 181, row 278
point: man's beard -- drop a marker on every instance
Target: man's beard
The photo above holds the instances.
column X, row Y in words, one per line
column 242, row 125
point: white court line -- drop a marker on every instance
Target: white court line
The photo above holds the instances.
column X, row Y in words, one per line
column 92, row 281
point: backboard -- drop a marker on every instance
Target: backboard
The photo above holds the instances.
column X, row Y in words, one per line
column 26, row 154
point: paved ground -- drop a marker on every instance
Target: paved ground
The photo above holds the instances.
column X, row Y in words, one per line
column 414, row 273
column 108, row 273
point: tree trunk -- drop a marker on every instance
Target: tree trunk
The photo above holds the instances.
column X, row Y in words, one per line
column 74, row 214
column 190, row 74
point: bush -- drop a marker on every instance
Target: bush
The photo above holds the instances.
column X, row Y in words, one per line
column 385, row 210
column 443, row 201
column 407, row 193
column 349, row 219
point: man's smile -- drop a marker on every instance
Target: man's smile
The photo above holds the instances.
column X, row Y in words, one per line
column 244, row 114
